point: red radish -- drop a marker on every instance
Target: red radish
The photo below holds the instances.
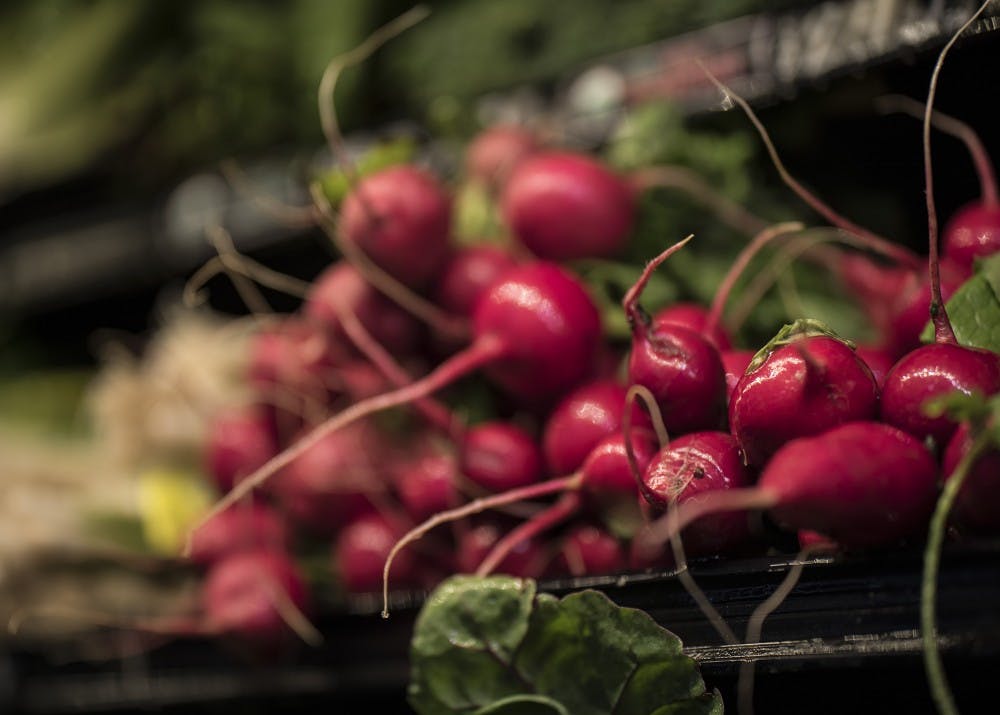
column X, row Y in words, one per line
column 296, row 356
column 340, row 287
column 425, row 477
column 679, row 366
column 401, row 218
column 581, row 420
column 735, row 363
column 499, row 456
column 688, row 468
column 239, row 442
column 242, row 527
column 496, row 151
column 803, row 383
column 909, row 309
column 977, row 504
column 334, row 480
column 695, row 317
column 589, row 550
column 928, row 372
column 537, row 333
column 563, row 206
column 469, row 273
column 527, row 559
column 361, row 549
column 251, row 595
column 863, row 483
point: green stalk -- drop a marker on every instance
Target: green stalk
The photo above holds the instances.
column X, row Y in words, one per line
column 936, row 677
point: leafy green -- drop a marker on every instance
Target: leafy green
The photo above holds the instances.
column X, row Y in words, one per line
column 974, row 309
column 492, row 645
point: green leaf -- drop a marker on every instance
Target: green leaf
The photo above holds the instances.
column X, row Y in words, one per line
column 523, row 705
column 492, row 646
column 974, row 309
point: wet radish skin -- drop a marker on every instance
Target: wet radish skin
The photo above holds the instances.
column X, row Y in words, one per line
column 862, row 484
column 785, row 398
column 973, row 232
column 930, row 371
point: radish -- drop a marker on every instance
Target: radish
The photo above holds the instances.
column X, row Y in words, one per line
column 469, row 273
column 878, row 359
column 528, row 559
column 589, row 550
column 695, row 317
column 863, row 483
column 688, row 468
column 977, row 504
column 564, row 205
column 360, row 550
column 295, row 356
column 401, row 218
column 499, row 456
column 581, row 420
column 341, row 287
column 496, row 151
column 681, row 368
column 240, row 440
column 255, row 596
column 805, row 381
column 537, row 333
column 242, row 527
column 425, row 477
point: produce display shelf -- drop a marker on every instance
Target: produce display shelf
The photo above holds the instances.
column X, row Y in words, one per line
column 848, row 633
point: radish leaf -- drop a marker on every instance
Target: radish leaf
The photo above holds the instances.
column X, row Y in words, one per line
column 493, row 644
column 974, row 309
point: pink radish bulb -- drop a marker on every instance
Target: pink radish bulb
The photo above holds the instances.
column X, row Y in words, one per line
column 243, row 593
column 294, row 355
column 864, row 484
column 496, row 151
column 588, row 550
column 499, row 456
column 973, row 232
column 582, row 419
column 360, row 550
column 239, row 441
column 242, row 527
column 334, row 480
column 695, row 317
column 527, row 559
column 678, row 366
column 468, row 274
column 564, row 206
column 908, row 312
column 815, row 540
column 691, row 466
column 401, row 218
column 977, row 504
column 878, row 359
column 931, row 371
column 807, row 384
column 342, row 288
column 425, row 478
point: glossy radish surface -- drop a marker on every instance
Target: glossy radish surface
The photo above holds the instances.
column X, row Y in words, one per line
column 801, row 388
column 972, row 232
column 695, row 317
column 563, row 206
column 467, row 275
column 931, row 371
column 401, row 218
column 499, row 456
